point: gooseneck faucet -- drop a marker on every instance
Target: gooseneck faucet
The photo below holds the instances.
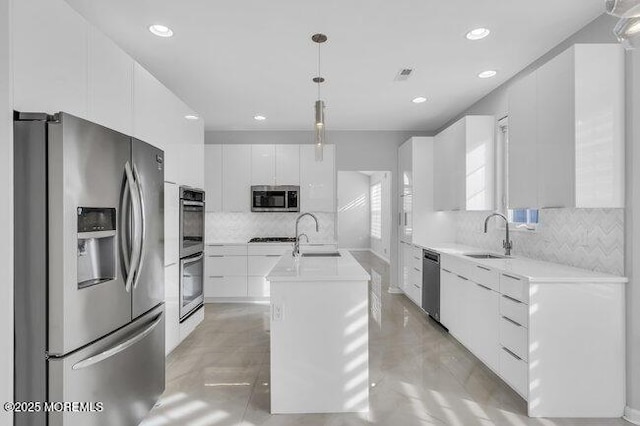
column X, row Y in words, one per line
column 296, row 245
column 506, row 243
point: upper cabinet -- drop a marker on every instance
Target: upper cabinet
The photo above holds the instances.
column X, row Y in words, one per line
column 566, row 131
column 110, row 95
column 464, row 170
column 275, row 165
column 236, row 178
column 405, row 190
column 50, row 57
column 213, row 177
column 317, row 179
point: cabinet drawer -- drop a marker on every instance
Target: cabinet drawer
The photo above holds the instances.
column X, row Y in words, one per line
column 225, row 287
column 226, row 250
column 514, row 337
column 514, row 372
column 416, row 262
column 269, row 249
column 258, row 287
column 515, row 310
column 484, row 275
column 515, row 287
column 415, row 277
column 416, row 252
column 226, row 265
column 259, row 266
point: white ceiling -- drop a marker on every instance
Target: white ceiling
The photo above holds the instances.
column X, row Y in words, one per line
column 232, row 59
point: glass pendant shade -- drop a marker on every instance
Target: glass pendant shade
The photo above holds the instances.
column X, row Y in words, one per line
column 319, row 129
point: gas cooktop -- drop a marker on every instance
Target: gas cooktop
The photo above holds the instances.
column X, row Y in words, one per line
column 273, row 240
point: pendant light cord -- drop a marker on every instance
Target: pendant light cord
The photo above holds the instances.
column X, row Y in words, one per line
column 319, row 75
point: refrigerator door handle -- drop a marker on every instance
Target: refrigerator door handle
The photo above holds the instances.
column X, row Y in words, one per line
column 143, row 230
column 135, row 252
column 117, row 348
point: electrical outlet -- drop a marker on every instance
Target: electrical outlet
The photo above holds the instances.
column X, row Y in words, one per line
column 277, row 312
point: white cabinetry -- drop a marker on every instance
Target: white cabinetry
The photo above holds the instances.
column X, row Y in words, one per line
column 317, row 179
column 567, row 131
column 405, row 189
column 538, row 336
column 171, row 223
column 172, row 307
column 288, row 164
column 262, row 257
column 464, row 165
column 110, row 85
column 225, row 271
column 50, row 45
column 236, row 178
column 213, row 177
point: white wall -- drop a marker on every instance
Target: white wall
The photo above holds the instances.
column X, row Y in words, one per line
column 382, row 247
column 355, row 150
column 6, row 213
column 353, row 210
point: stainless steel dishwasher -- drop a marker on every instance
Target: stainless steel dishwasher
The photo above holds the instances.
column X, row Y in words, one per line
column 431, row 283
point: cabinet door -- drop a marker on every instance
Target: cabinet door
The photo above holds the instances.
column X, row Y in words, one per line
column 153, row 117
column 449, row 169
column 405, row 182
column 522, row 146
column 190, row 141
column 556, row 132
column 236, row 178
column 317, row 179
column 407, row 268
column 440, row 173
column 287, row 164
column 50, row 42
column 263, row 164
column 478, row 179
column 171, row 223
column 449, row 304
column 484, row 321
column 213, row 177
column 110, row 84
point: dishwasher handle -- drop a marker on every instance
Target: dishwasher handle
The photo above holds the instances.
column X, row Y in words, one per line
column 431, row 256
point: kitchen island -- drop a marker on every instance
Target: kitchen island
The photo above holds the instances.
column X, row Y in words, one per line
column 319, row 334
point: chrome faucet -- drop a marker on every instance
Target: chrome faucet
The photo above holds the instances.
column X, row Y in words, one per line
column 296, row 245
column 506, row 243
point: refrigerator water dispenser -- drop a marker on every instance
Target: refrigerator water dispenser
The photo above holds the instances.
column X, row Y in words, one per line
column 97, row 246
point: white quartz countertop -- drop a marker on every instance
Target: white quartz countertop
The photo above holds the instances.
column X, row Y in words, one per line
column 342, row 268
column 530, row 269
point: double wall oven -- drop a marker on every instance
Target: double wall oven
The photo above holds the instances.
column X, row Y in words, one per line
column 192, row 217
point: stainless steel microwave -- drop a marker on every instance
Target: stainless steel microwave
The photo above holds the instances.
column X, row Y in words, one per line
column 282, row 198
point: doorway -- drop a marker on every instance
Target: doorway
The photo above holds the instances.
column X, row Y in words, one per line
column 364, row 212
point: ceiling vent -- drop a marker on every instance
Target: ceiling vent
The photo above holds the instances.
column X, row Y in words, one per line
column 404, row 74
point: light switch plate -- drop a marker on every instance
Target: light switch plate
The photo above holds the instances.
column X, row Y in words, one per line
column 277, row 312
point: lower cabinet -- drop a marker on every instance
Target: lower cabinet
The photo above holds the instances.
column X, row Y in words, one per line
column 172, row 307
column 225, row 271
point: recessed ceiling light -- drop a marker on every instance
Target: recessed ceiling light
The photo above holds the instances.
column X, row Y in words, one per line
column 259, row 117
column 191, row 117
column 487, row 74
column 419, row 100
column 161, row 30
column 478, row 34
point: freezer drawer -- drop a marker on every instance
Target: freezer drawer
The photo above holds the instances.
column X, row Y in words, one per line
column 125, row 371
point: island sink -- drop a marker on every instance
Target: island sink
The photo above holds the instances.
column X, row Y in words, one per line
column 321, row 254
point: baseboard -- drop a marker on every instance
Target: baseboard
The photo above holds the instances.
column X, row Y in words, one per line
column 395, row 290
column 254, row 300
column 632, row 415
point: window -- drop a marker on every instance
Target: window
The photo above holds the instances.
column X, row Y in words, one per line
column 521, row 218
column 376, row 210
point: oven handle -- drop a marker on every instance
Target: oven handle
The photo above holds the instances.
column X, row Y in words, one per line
column 190, row 260
column 143, row 232
column 193, row 203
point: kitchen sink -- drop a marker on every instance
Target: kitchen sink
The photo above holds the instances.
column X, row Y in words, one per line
column 485, row 256
column 322, row 254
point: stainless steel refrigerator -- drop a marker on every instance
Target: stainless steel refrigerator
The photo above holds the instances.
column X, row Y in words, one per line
column 89, row 272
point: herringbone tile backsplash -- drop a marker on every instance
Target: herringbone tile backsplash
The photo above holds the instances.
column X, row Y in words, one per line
column 241, row 227
column 586, row 238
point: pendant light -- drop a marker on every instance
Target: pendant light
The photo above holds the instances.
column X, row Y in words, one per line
column 319, row 124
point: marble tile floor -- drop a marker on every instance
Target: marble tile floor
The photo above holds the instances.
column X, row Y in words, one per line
column 419, row 375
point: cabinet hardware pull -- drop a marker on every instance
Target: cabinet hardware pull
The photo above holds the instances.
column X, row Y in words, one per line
column 417, row 269
column 216, row 276
column 464, row 278
column 483, row 268
column 512, row 299
column 273, row 255
column 216, row 255
column 512, row 321
column 484, row 286
column 511, row 353
column 416, row 286
column 416, row 258
column 215, row 245
column 512, row 277
column 446, row 270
